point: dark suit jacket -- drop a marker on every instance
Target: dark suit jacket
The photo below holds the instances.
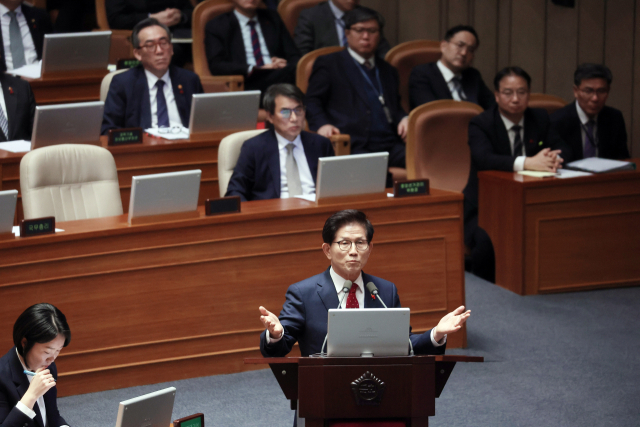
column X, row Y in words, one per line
column 337, row 95
column 316, row 28
column 305, row 311
column 13, row 385
column 257, row 172
column 426, row 84
column 491, row 149
column 39, row 25
column 125, row 14
column 127, row 104
column 225, row 47
column 612, row 134
column 21, row 107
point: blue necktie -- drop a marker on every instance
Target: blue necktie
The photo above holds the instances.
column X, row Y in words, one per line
column 344, row 36
column 15, row 42
column 163, row 112
column 255, row 44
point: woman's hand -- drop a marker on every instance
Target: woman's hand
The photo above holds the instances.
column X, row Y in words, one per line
column 41, row 383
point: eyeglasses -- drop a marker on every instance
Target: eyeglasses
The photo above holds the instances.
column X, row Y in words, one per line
column 345, row 245
column 151, row 45
column 461, row 45
column 286, row 112
column 172, row 129
column 360, row 30
column 590, row 92
column 510, row 93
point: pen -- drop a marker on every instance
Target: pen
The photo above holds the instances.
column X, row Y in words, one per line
column 30, row 373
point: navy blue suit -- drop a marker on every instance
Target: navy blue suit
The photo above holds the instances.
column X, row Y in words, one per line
column 20, row 107
column 127, row 104
column 13, row 385
column 256, row 175
column 305, row 311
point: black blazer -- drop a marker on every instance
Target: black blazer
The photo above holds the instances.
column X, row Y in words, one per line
column 491, row 149
column 426, row 84
column 21, row 107
column 39, row 25
column 125, row 14
column 225, row 47
column 127, row 104
column 337, row 95
column 612, row 134
column 256, row 175
column 13, row 385
column 316, row 28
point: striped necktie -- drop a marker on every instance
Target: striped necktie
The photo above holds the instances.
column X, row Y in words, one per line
column 255, row 43
column 4, row 124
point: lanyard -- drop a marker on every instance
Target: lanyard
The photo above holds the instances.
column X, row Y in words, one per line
column 378, row 92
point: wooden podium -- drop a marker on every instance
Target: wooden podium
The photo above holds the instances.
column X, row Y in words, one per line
column 331, row 389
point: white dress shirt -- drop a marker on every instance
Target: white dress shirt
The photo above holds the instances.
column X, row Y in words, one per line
column 360, row 60
column 172, row 107
column 584, row 119
column 30, row 54
column 338, row 14
column 448, row 76
column 518, row 163
column 246, row 38
column 306, row 180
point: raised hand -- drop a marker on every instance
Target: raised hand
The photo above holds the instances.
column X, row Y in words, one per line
column 271, row 323
column 451, row 323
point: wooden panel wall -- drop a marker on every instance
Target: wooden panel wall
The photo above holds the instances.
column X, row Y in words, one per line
column 547, row 40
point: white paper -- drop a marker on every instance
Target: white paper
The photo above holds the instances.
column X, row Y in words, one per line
column 308, row 197
column 566, row 173
column 20, row 146
column 183, row 134
column 537, row 174
column 390, row 195
column 16, row 230
column 33, row 71
column 596, row 164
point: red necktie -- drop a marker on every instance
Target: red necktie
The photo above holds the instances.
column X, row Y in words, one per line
column 255, row 42
column 352, row 301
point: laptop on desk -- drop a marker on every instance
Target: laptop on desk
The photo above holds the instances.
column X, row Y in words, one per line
column 8, row 200
column 224, row 112
column 67, row 124
column 352, row 175
column 76, row 51
column 149, row 410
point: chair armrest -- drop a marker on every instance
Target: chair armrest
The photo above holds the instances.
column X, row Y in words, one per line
column 212, row 84
column 341, row 144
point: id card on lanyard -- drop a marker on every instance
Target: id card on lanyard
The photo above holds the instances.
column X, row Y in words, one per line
column 379, row 92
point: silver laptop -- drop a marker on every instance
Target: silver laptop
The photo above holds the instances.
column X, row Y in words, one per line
column 150, row 410
column 164, row 193
column 226, row 111
column 76, row 51
column 368, row 332
column 352, row 175
column 8, row 200
column 67, row 124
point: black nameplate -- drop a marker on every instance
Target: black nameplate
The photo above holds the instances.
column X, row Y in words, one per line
column 223, row 205
column 127, row 63
column 415, row 187
column 37, row 226
column 195, row 420
column 125, row 136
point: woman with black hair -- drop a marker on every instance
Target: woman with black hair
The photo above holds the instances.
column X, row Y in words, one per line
column 28, row 374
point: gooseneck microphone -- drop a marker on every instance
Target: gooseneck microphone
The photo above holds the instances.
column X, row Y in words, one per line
column 373, row 290
column 345, row 291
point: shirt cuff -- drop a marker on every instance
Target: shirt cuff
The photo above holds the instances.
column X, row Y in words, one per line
column 518, row 164
column 273, row 340
column 433, row 339
column 25, row 410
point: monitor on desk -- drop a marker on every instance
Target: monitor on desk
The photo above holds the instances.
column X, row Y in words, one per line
column 76, row 51
column 368, row 332
column 8, row 200
column 352, row 175
column 150, row 410
column 67, row 124
column 164, row 193
column 223, row 112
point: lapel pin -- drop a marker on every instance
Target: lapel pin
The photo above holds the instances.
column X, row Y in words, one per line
column 10, row 90
column 180, row 88
column 540, row 143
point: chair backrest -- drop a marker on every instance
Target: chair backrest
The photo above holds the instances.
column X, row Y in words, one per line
column 101, row 15
column 228, row 153
column 203, row 13
column 305, row 65
column 106, row 82
column 550, row 103
column 69, row 182
column 289, row 11
column 407, row 55
column 437, row 143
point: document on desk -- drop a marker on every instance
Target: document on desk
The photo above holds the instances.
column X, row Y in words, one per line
column 32, row 71
column 566, row 173
column 16, row 230
column 598, row 165
column 20, row 146
column 537, row 174
column 171, row 133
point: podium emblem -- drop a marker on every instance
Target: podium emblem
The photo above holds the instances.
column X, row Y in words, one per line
column 368, row 390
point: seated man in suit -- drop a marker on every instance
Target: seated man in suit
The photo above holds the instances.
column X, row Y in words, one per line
column 155, row 93
column 252, row 42
column 509, row 136
column 355, row 93
column 125, row 14
column 17, row 108
column 322, row 26
column 451, row 77
column 23, row 30
column 283, row 161
column 347, row 237
column 591, row 128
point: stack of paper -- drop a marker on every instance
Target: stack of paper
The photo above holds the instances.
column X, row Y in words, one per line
column 598, row 165
column 16, row 146
column 169, row 134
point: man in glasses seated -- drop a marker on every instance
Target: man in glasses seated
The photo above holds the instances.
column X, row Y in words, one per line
column 283, row 161
column 155, row 93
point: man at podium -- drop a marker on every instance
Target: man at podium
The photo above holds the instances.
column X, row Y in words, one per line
column 347, row 237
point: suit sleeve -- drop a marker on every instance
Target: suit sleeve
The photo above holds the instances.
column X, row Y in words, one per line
column 555, row 142
column 115, row 106
column 419, row 88
column 121, row 16
column 399, row 112
column 290, row 51
column 622, row 151
column 187, row 12
column 244, row 175
column 293, row 318
column 303, row 33
column 318, row 93
column 216, row 41
column 51, row 402
column 483, row 153
column 383, row 47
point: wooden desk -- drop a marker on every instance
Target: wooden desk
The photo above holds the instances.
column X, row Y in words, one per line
column 162, row 302
column 67, row 87
column 556, row 235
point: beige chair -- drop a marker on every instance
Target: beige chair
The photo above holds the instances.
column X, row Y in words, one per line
column 289, row 11
column 106, row 82
column 69, row 182
column 550, row 103
column 437, row 143
column 228, row 153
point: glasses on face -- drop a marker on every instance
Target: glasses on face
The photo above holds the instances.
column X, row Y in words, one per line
column 587, row 91
column 151, row 45
column 461, row 45
column 345, row 245
column 286, row 112
column 507, row 93
column 360, row 30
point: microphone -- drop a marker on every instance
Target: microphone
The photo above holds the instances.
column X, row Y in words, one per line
column 373, row 290
column 345, row 290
